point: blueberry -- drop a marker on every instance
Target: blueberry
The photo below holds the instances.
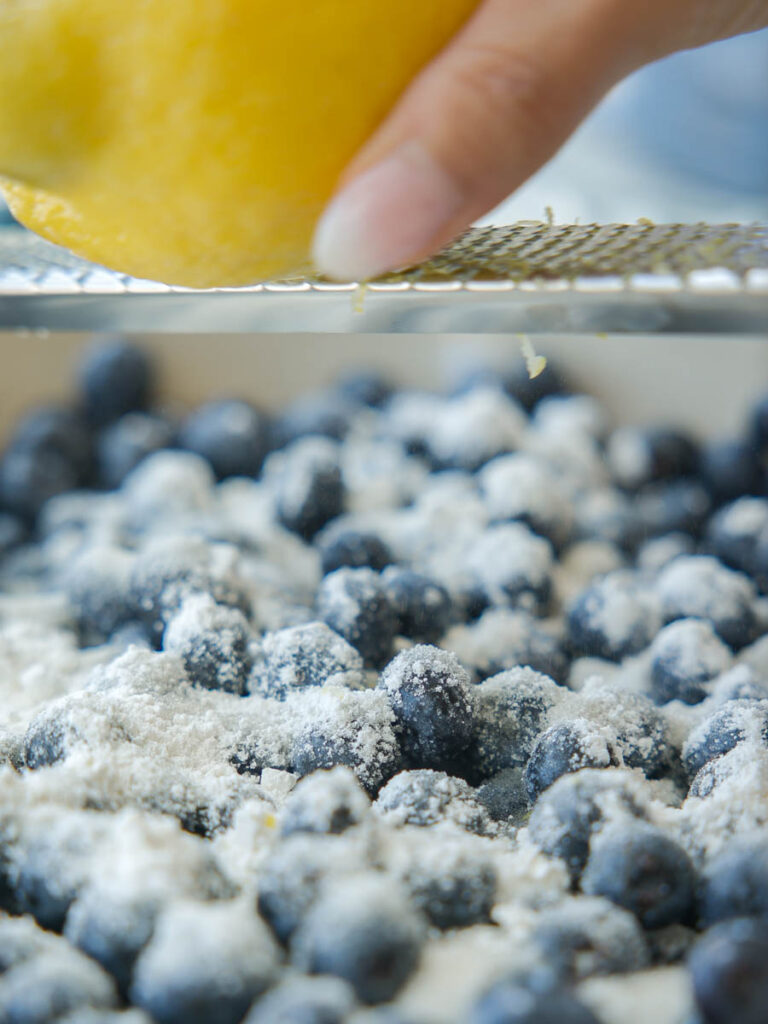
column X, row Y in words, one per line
column 354, row 549
column 700, row 587
column 730, row 981
column 29, row 480
column 167, row 487
column 112, row 930
column 757, row 431
column 53, row 430
column 655, row 554
column 20, row 940
column 302, row 1000
column 509, row 1002
column 365, row 387
column 364, row 931
column 231, row 434
column 308, row 655
column 606, row 514
column 165, row 574
column 680, row 506
column 205, row 962
column 122, row 445
column 50, row 452
column 212, row 641
column 567, row 747
column 529, row 391
column 642, row 737
column 426, row 798
column 45, row 988
column 730, row 469
column 685, row 656
column 566, row 815
column 430, row 695
column 732, row 723
column 294, row 872
column 582, row 937
column 510, row 711
column 115, row 377
column 740, row 683
column 641, row 869
column 639, row 456
column 734, row 533
column 735, row 882
column 525, row 488
column 423, row 607
column 513, row 566
column 504, row 796
column 308, row 484
column 613, row 618
column 354, row 603
column 46, row 741
column 504, row 638
column 97, row 587
column 12, row 532
column 325, row 414
column 724, row 769
column 452, row 886
column 89, row 1015
column 467, row 431
column 326, row 802
column 337, row 726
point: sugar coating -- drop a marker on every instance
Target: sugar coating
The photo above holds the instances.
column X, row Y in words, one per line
column 701, row 587
column 52, row 980
column 210, row 954
column 470, row 429
column 222, row 771
column 591, row 936
column 523, row 487
column 512, row 565
column 310, row 654
column 326, row 802
column 426, row 797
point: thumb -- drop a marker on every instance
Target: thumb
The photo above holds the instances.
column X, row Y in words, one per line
column 478, row 121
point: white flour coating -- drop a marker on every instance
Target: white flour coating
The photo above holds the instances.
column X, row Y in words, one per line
column 133, row 798
column 213, row 947
column 618, row 606
column 293, row 469
column 701, row 586
column 628, row 456
column 580, row 414
column 747, row 517
column 522, row 487
column 663, row 996
column 472, row 428
column 697, row 650
column 511, row 563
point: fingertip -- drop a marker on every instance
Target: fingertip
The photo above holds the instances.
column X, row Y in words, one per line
column 387, row 217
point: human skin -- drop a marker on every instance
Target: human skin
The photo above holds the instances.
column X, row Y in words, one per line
column 491, row 109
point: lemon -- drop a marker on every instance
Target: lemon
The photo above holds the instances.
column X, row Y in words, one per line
column 196, row 142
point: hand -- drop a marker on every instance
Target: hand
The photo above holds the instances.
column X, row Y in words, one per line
column 491, row 109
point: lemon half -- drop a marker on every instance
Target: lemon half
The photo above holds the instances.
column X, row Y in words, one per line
column 196, row 142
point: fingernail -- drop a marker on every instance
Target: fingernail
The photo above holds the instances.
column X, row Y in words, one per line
column 386, row 217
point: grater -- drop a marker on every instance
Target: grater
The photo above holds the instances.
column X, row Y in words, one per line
column 530, row 277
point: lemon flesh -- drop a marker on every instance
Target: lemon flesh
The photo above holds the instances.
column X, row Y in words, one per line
column 197, row 142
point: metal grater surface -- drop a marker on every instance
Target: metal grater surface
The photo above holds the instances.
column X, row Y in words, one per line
column 529, row 277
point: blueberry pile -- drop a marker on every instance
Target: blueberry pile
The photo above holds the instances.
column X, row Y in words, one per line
column 394, row 707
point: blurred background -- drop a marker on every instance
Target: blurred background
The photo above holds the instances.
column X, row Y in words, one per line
column 684, row 139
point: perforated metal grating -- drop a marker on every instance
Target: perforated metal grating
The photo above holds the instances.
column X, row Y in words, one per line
column 531, row 277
